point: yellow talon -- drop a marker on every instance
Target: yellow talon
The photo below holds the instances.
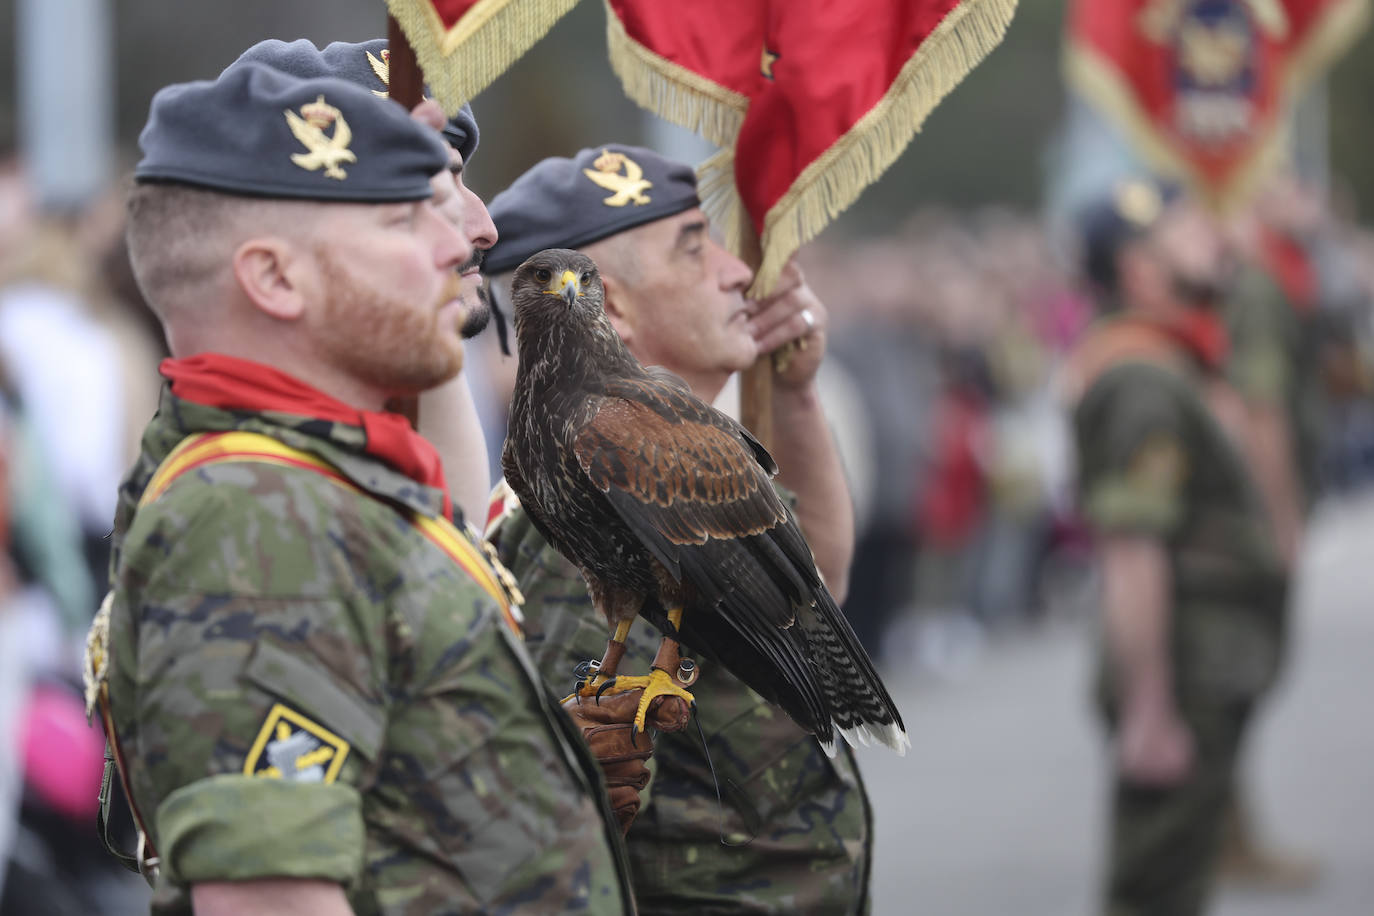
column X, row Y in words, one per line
column 658, row 684
column 592, row 686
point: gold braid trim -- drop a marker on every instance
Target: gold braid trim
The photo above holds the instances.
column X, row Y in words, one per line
column 493, row 35
column 827, row 186
column 95, row 665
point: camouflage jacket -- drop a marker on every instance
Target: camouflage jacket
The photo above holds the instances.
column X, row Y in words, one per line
column 792, row 829
column 304, row 685
column 1154, row 458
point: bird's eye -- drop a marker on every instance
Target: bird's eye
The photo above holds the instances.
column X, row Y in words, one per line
column 586, row 277
column 543, row 275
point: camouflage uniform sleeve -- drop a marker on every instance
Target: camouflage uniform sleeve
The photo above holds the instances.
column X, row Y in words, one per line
column 1132, row 450
column 245, row 682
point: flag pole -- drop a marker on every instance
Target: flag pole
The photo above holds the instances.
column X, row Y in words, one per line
column 406, row 85
column 756, row 382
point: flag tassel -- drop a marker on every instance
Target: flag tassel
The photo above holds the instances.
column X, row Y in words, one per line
column 493, row 35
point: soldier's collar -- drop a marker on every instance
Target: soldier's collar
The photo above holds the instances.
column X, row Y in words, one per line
column 340, row 444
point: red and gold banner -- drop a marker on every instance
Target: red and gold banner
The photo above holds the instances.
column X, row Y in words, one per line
column 811, row 100
column 464, row 45
column 1204, row 88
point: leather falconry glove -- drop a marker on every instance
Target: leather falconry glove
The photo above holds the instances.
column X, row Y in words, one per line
column 607, row 725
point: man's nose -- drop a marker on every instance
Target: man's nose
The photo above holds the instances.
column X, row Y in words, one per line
column 452, row 247
column 477, row 222
column 734, row 274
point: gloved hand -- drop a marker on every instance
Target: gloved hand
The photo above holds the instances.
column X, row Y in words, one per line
column 607, row 725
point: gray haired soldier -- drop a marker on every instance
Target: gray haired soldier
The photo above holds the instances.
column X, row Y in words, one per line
column 759, row 819
column 313, row 680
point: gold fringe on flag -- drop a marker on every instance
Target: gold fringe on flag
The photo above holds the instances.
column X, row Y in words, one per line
column 671, row 91
column 833, row 181
column 492, row 36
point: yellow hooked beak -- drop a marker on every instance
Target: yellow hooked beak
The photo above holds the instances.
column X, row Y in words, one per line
column 568, row 287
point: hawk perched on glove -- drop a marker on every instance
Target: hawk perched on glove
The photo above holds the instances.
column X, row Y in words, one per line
column 666, row 506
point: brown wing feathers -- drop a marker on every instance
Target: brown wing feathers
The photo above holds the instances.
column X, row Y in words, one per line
column 693, row 490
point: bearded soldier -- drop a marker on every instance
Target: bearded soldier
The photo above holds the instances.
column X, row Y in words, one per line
column 1193, row 580
column 312, row 678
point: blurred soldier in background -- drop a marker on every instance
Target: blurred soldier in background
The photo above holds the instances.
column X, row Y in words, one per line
column 1194, row 581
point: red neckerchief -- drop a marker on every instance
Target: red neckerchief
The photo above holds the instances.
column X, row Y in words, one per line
column 1201, row 332
column 229, row 383
column 1287, row 261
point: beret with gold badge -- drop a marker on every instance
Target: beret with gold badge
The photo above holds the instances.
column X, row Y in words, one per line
column 568, row 203
column 260, row 132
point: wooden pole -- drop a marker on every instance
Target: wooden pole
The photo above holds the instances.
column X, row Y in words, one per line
column 756, row 382
column 405, row 84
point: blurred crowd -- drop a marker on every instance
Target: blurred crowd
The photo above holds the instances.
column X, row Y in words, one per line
column 946, row 335
column 78, row 380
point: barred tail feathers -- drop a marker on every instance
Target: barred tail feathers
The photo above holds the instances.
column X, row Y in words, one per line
column 861, row 708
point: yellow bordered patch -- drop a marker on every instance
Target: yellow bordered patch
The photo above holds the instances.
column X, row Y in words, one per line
column 289, row 746
column 1159, row 465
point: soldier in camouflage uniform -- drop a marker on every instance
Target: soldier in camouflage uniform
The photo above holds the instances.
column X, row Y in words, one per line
column 1193, row 583
column 313, row 680
column 759, row 820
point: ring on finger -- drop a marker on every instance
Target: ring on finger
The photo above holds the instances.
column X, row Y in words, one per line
column 810, row 320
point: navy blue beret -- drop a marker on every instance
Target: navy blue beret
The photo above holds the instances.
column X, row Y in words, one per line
column 1128, row 212
column 568, row 203
column 258, row 131
column 365, row 63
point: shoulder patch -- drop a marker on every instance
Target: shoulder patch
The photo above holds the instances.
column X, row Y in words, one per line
column 1159, row 464
column 290, row 746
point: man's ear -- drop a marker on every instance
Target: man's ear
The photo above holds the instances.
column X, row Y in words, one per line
column 271, row 274
column 619, row 308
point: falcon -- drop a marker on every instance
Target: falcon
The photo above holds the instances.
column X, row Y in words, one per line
column 666, row 506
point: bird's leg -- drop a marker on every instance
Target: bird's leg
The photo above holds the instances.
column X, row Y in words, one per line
column 669, row 676
column 615, row 650
column 603, row 672
column 669, row 658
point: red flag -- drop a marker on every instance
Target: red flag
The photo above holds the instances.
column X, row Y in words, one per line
column 463, row 45
column 811, row 100
column 1203, row 88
